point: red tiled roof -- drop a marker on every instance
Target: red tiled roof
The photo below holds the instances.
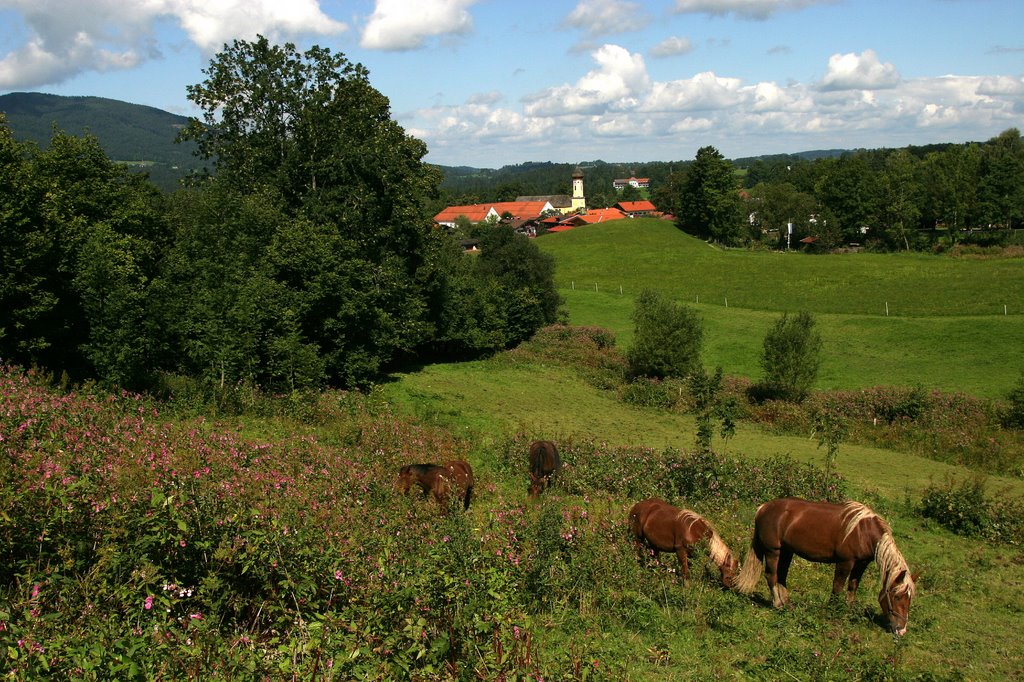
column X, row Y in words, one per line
column 478, row 212
column 521, row 209
column 634, row 206
column 473, row 212
column 602, row 215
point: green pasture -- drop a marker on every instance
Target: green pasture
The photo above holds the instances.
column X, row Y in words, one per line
column 645, row 252
column 945, row 328
column 490, row 398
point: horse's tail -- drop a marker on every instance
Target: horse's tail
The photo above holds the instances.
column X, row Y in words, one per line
column 750, row 572
column 468, row 496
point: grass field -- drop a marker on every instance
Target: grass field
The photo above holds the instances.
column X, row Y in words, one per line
column 945, row 329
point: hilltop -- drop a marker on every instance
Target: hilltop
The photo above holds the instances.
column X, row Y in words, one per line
column 134, row 134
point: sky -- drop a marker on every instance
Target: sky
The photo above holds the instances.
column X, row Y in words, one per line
column 488, row 83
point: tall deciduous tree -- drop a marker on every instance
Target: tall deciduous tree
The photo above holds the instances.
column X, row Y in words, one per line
column 343, row 256
column 1001, row 184
column 901, row 208
column 78, row 237
column 710, row 205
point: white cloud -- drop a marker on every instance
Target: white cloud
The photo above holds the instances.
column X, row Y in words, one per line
column 745, row 9
column 617, row 112
column 705, row 91
column 619, row 79
column 859, row 72
column 404, row 25
column 604, row 17
column 672, row 46
column 69, row 38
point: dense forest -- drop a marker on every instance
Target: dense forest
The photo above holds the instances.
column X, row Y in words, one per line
column 307, row 257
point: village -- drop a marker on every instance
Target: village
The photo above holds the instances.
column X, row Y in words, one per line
column 537, row 215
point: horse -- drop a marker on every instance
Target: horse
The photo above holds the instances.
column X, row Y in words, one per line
column 544, row 465
column 438, row 480
column 660, row 526
column 848, row 535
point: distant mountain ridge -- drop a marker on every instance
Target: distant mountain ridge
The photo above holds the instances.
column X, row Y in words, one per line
column 129, row 133
column 144, row 136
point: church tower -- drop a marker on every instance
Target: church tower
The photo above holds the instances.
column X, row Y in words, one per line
column 578, row 202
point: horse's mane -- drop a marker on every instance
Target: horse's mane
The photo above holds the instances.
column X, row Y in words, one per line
column 717, row 548
column 854, row 513
column 892, row 564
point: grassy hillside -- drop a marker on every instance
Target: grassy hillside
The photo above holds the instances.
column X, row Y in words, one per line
column 945, row 329
column 129, row 133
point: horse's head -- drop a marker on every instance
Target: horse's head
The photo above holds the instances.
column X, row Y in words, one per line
column 536, row 484
column 895, row 600
column 730, row 569
column 404, row 480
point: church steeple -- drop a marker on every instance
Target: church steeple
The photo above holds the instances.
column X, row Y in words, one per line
column 579, row 203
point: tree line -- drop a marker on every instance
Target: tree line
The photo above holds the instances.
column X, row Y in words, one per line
column 888, row 199
column 303, row 255
column 894, row 199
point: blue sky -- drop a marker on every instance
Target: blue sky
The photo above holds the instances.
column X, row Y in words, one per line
column 493, row 82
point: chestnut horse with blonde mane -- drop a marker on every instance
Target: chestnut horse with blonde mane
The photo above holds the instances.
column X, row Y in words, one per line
column 661, row 527
column 439, row 481
column 848, row 535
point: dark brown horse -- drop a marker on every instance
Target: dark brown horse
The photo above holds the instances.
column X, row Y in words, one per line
column 660, row 526
column 849, row 535
column 544, row 465
column 439, row 480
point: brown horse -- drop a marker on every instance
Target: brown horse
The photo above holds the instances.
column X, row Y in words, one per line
column 848, row 535
column 439, row 481
column 544, row 465
column 660, row 526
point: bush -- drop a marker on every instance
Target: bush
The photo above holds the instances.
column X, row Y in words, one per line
column 668, row 338
column 965, row 509
column 790, row 359
column 1012, row 416
column 644, row 392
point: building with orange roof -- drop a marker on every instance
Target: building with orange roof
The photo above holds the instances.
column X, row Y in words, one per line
column 636, row 208
column 478, row 213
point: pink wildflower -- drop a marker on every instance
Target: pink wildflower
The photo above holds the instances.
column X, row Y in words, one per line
column 149, row 603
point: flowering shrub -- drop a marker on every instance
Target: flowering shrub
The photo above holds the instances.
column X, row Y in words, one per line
column 132, row 547
column 590, row 467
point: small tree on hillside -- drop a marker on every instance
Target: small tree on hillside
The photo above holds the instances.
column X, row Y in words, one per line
column 667, row 340
column 790, row 359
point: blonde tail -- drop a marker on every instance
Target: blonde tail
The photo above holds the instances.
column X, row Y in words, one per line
column 750, row 573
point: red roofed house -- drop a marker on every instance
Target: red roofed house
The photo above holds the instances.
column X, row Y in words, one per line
column 478, row 213
column 591, row 217
column 636, row 208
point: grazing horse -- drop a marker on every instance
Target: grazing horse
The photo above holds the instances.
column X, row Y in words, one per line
column 439, row 481
column 544, row 465
column 848, row 535
column 660, row 526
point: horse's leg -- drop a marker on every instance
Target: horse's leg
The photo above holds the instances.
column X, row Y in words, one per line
column 781, row 574
column 855, row 576
column 840, row 577
column 771, row 568
column 684, row 562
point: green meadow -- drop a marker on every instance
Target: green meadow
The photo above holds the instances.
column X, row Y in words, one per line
column 946, row 326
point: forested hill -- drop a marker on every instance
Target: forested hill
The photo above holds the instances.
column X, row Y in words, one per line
column 129, row 133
